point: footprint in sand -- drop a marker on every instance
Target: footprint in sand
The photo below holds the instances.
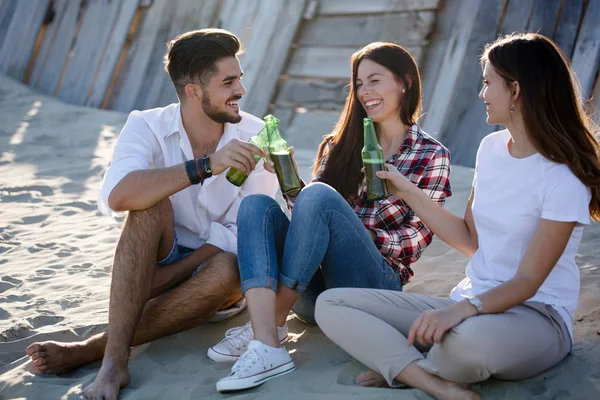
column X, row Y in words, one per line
column 70, row 301
column 44, row 320
column 12, row 280
column 76, row 268
column 8, row 283
column 86, row 206
column 33, row 219
column 100, row 272
column 42, row 274
column 48, row 245
column 13, row 193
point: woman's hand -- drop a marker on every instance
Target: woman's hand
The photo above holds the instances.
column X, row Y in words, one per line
column 431, row 326
column 270, row 166
column 399, row 183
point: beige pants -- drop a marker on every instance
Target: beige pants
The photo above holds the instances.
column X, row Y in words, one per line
column 372, row 326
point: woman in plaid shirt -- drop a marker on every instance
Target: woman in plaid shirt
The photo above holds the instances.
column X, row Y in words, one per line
column 335, row 237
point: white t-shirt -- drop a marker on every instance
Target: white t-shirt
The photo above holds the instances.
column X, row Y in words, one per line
column 511, row 196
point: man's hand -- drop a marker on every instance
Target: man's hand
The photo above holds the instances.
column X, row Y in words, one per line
column 236, row 154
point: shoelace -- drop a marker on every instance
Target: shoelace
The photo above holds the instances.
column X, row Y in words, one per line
column 247, row 361
column 240, row 336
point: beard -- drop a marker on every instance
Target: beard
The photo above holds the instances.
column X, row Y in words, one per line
column 219, row 116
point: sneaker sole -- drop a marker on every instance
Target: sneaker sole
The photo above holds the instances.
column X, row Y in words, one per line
column 253, row 381
column 221, row 357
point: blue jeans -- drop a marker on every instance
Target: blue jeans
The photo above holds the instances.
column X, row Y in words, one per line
column 324, row 245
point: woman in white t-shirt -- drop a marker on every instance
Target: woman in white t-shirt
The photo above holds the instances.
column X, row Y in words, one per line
column 536, row 184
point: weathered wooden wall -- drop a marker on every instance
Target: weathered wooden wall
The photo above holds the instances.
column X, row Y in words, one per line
column 312, row 89
column 108, row 53
column 451, row 69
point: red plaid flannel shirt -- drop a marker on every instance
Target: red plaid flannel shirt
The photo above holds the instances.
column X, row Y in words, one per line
column 401, row 235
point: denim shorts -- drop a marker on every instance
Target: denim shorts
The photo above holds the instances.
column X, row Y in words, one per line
column 177, row 253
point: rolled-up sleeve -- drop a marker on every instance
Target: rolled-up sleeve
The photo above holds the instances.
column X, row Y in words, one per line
column 134, row 151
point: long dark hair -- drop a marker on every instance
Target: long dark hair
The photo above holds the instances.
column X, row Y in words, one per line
column 342, row 170
column 553, row 113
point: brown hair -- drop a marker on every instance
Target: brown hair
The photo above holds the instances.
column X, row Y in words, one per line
column 343, row 167
column 554, row 118
column 193, row 56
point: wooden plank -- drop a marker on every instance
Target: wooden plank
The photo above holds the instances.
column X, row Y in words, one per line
column 21, row 36
column 451, row 67
column 132, row 74
column 114, row 47
column 190, row 15
column 312, row 94
column 306, row 129
column 154, row 76
column 91, row 44
column 407, row 29
column 544, row 17
column 568, row 25
column 586, row 56
column 56, row 46
column 266, row 58
column 439, row 41
column 465, row 126
column 516, row 16
column 328, row 62
column 333, row 7
column 258, row 33
column 7, row 9
column 238, row 20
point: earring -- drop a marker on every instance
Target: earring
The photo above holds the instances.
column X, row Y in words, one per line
column 403, row 91
column 512, row 108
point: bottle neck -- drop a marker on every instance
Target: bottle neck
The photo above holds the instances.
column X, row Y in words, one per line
column 371, row 137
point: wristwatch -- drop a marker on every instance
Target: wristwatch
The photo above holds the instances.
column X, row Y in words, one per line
column 206, row 167
column 476, row 302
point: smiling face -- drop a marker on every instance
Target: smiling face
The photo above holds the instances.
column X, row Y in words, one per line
column 378, row 91
column 496, row 95
column 222, row 92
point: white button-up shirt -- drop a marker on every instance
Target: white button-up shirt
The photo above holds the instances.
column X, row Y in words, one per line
column 204, row 213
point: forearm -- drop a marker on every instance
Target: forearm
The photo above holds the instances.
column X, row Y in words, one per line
column 450, row 228
column 501, row 298
column 140, row 190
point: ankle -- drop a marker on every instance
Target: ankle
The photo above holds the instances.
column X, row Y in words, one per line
column 269, row 340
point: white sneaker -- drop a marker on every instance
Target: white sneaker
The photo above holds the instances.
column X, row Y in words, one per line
column 236, row 343
column 256, row 366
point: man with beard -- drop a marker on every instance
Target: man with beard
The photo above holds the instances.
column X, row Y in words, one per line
column 175, row 264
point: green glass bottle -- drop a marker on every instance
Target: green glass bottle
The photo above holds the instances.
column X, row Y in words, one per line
column 372, row 156
column 279, row 151
column 260, row 140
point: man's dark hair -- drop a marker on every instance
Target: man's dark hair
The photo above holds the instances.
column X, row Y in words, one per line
column 193, row 56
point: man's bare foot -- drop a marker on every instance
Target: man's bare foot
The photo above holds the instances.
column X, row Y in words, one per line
column 57, row 358
column 110, row 379
column 371, row 379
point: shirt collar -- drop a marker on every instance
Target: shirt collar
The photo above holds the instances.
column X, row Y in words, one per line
column 412, row 136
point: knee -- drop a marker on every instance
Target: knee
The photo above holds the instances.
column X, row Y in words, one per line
column 225, row 266
column 462, row 355
column 326, row 302
column 159, row 212
column 317, row 196
column 254, row 206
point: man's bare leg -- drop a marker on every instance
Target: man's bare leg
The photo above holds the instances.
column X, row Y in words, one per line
column 215, row 287
column 147, row 236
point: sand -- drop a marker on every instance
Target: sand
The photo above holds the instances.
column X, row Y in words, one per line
column 56, row 255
